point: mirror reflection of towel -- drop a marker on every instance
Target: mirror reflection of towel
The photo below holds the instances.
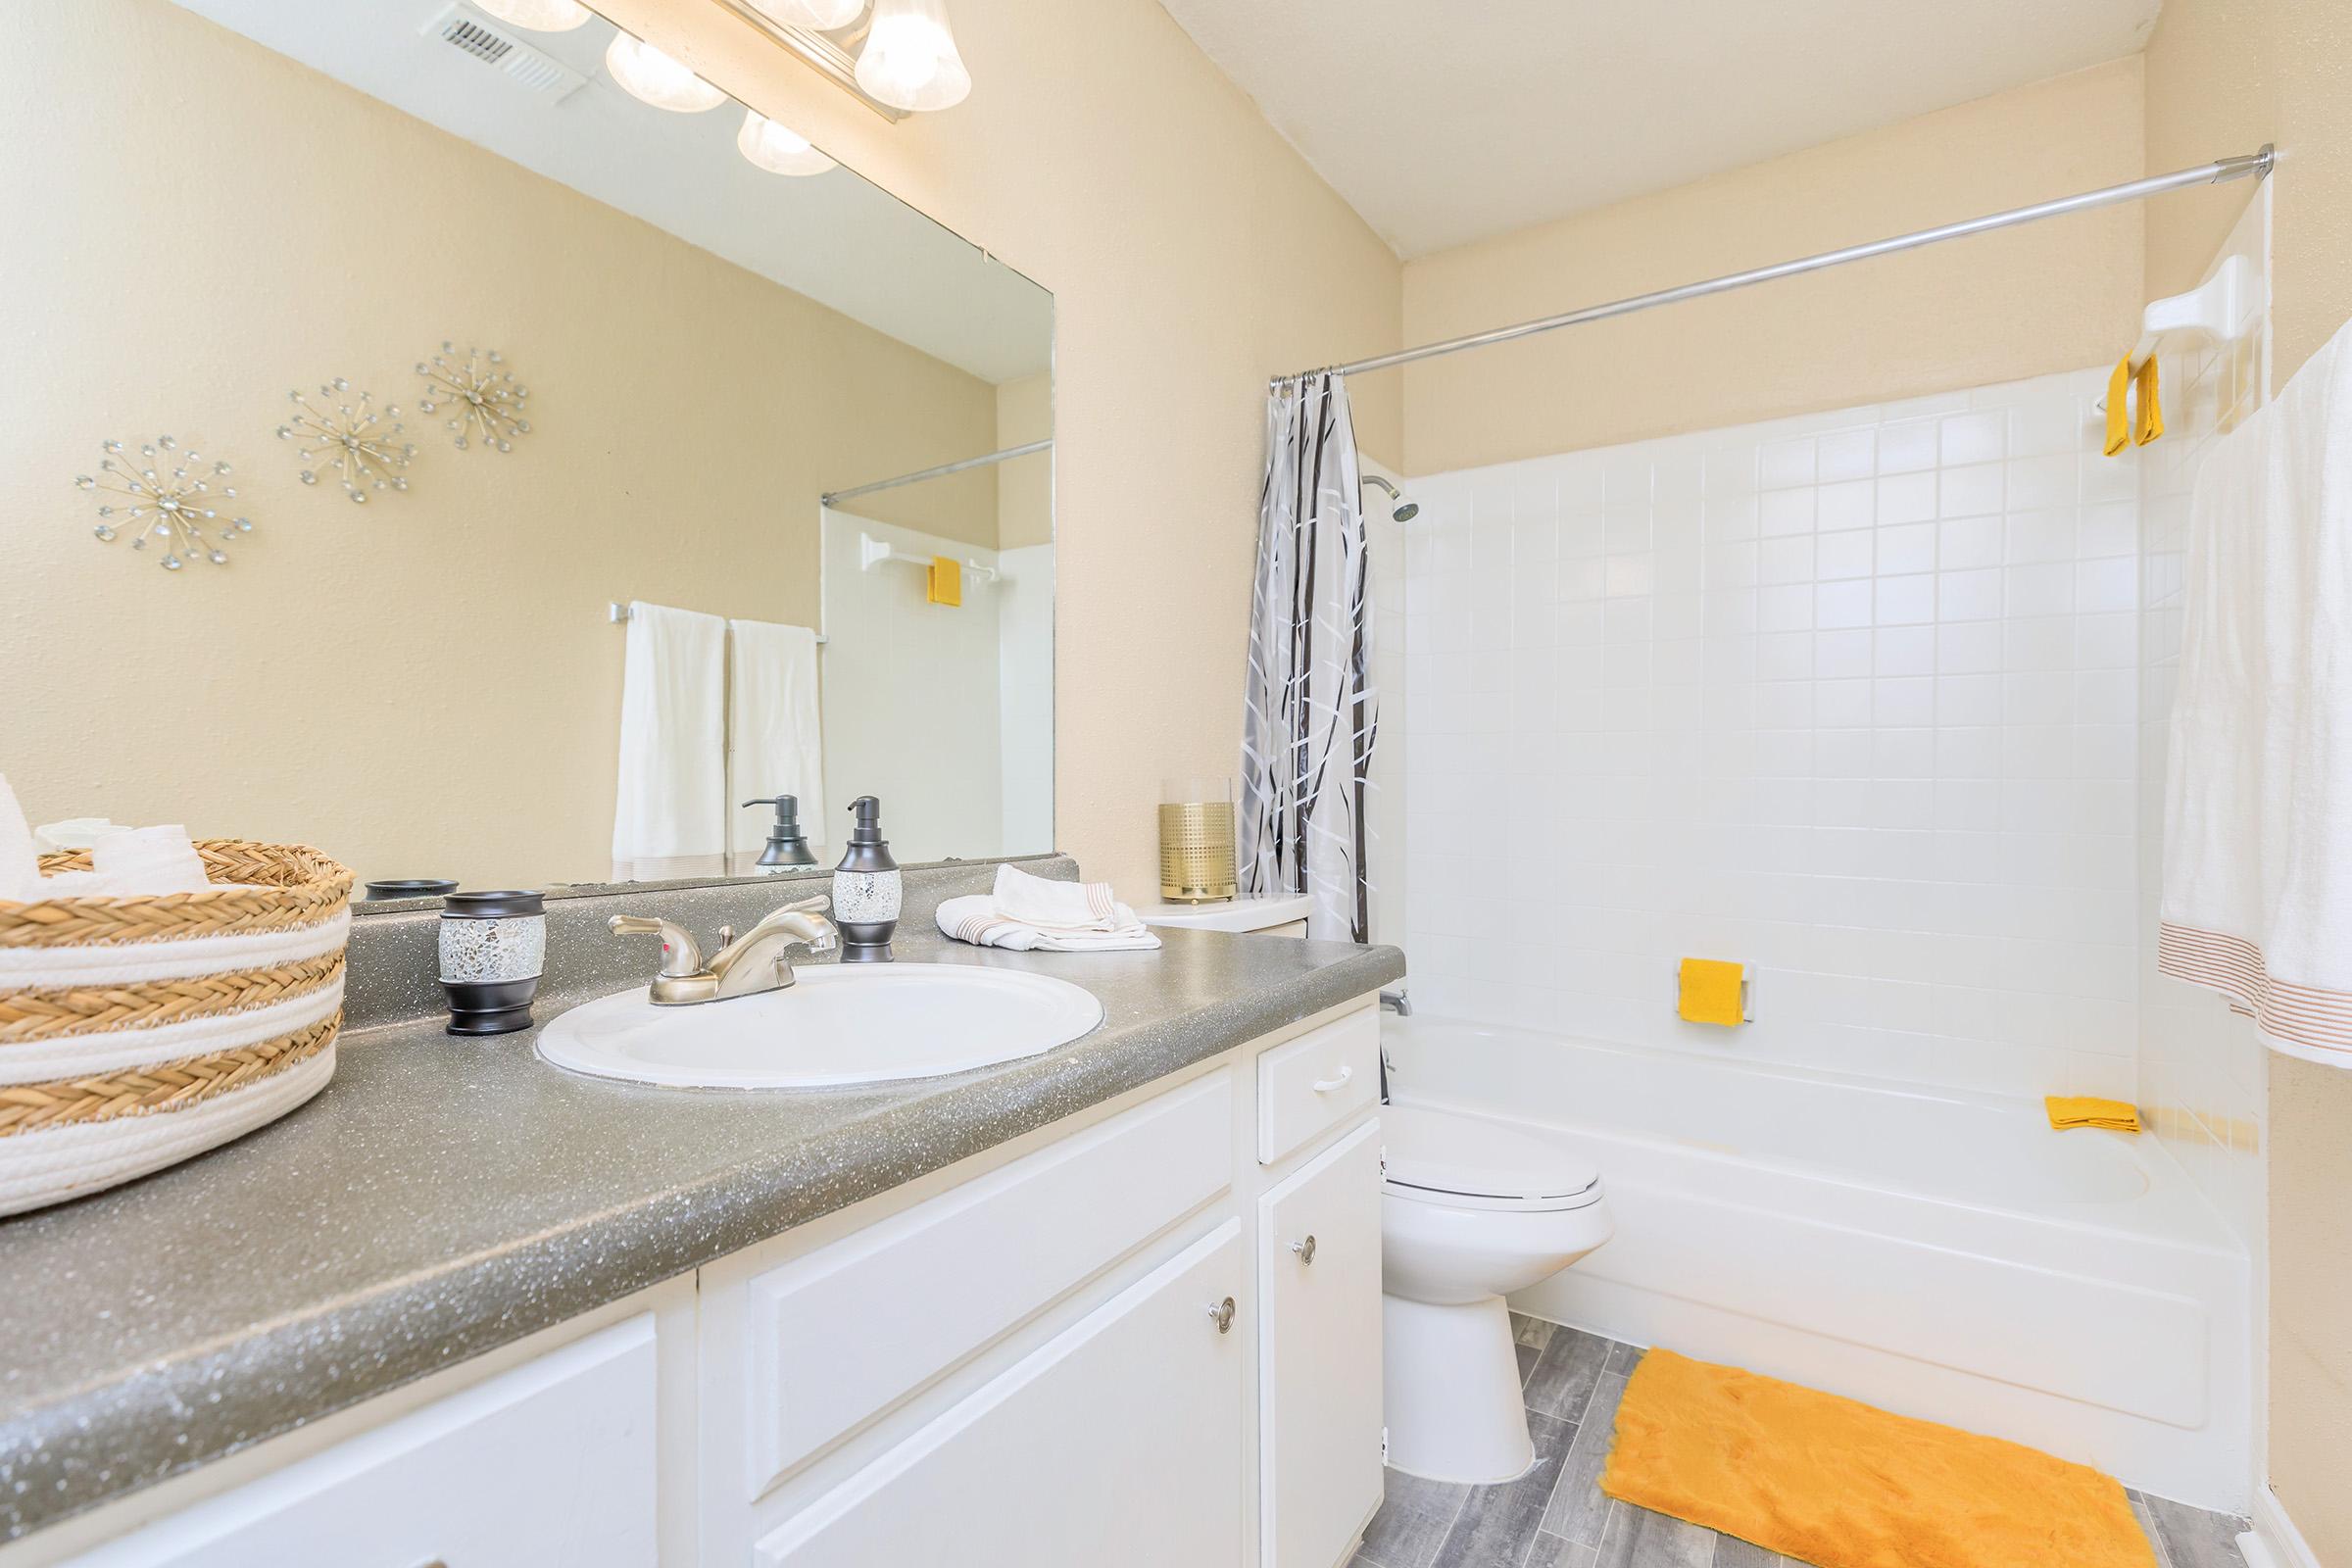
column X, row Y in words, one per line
column 669, row 814
column 774, row 741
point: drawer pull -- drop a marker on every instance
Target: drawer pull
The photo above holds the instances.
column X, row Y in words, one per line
column 1324, row 1086
column 1222, row 1315
column 1305, row 1250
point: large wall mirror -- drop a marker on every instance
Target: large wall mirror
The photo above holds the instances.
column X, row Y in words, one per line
column 421, row 663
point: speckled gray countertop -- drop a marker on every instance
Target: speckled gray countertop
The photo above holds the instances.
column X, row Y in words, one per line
column 444, row 1197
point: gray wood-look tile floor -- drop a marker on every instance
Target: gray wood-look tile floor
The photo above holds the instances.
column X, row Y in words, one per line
column 1556, row 1517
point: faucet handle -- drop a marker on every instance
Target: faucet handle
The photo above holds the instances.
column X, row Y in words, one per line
column 806, row 905
column 681, row 954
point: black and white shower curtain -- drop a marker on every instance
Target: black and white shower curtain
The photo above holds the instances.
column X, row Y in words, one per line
column 1307, row 734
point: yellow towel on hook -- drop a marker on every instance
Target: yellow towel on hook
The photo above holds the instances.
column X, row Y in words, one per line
column 947, row 581
column 1710, row 992
column 2082, row 1110
column 2118, row 407
column 2123, row 427
column 2150, row 422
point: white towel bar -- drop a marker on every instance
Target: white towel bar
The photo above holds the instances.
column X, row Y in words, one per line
column 617, row 611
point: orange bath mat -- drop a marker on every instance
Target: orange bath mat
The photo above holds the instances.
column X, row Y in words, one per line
column 1840, row 1484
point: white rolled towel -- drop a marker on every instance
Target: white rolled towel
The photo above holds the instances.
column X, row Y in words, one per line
column 1049, row 906
column 143, row 861
column 976, row 918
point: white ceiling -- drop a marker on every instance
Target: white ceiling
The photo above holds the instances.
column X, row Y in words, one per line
column 1446, row 124
column 834, row 237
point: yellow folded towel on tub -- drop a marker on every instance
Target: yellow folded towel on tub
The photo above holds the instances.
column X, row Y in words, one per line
column 2082, row 1110
column 1710, row 992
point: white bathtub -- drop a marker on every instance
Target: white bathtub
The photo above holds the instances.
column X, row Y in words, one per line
column 1940, row 1253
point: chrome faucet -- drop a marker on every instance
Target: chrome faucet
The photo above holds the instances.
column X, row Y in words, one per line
column 742, row 966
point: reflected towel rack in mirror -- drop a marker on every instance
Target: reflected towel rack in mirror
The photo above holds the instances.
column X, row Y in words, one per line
column 617, row 612
column 872, row 553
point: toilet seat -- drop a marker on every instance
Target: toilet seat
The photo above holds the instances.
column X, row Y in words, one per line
column 1463, row 1161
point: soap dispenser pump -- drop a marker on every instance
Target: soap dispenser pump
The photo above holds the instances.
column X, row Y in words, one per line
column 786, row 846
column 866, row 890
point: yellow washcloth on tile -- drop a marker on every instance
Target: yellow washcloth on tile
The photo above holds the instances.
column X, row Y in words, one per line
column 2083, row 1110
column 947, row 581
column 1710, row 992
column 2149, row 423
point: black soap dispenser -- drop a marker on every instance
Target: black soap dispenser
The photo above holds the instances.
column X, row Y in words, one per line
column 786, row 847
column 867, row 891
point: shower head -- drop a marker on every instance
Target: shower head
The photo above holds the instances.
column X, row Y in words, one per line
column 1401, row 510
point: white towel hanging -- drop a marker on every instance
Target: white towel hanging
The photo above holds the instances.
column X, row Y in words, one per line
column 2257, row 896
column 670, row 813
column 775, row 741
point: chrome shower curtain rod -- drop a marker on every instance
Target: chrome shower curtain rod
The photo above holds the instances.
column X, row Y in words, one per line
column 2250, row 165
column 939, row 473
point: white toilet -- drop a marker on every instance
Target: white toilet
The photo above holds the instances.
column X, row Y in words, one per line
column 1472, row 1211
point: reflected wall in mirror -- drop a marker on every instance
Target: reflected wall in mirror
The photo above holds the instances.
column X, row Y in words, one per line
column 214, row 201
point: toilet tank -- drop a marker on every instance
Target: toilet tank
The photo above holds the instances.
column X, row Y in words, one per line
column 1281, row 917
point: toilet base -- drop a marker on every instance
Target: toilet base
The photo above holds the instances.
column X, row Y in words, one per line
column 1454, row 1405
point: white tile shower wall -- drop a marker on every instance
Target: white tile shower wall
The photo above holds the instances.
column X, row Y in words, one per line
column 1852, row 698
column 2203, row 1073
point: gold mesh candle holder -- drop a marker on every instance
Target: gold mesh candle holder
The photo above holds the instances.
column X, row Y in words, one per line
column 1196, row 851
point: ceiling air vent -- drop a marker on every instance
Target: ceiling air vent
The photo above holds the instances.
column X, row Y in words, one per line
column 474, row 35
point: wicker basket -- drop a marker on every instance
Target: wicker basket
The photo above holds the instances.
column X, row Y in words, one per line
column 137, row 1032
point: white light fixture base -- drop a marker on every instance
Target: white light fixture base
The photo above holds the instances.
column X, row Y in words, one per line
column 819, row 50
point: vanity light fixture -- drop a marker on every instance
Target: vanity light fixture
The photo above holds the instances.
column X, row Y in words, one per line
column 779, row 148
column 910, row 59
column 822, row 15
column 540, row 16
column 652, row 77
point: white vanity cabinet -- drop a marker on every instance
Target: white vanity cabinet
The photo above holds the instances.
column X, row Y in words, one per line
column 1148, row 1334
column 1319, row 1421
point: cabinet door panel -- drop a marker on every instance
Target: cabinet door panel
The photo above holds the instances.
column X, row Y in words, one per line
column 1319, row 1377
column 1117, row 1442
column 548, row 1465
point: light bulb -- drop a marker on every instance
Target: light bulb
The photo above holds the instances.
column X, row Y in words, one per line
column 653, row 76
column 778, row 149
column 540, row 16
column 910, row 59
column 822, row 15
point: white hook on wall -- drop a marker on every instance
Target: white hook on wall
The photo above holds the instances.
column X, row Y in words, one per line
column 2216, row 309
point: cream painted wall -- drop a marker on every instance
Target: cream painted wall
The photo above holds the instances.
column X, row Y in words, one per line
column 2224, row 77
column 234, row 224
column 1192, row 255
column 2001, row 306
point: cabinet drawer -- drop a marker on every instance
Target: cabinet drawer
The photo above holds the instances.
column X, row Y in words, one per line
column 1315, row 1082
column 1318, row 1382
column 1117, row 1442
column 548, row 1465
column 845, row 1333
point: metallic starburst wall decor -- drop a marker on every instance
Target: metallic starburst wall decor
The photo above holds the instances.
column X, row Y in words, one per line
column 166, row 494
column 483, row 399
column 353, row 439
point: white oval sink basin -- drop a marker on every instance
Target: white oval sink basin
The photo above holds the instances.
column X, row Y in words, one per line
column 837, row 1024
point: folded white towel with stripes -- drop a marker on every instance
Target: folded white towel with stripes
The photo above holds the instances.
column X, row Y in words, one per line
column 1032, row 914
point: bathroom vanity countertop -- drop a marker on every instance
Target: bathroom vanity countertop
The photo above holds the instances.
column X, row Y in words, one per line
column 444, row 1197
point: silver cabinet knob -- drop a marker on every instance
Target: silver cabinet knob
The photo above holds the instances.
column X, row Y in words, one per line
column 1305, row 1250
column 1222, row 1315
